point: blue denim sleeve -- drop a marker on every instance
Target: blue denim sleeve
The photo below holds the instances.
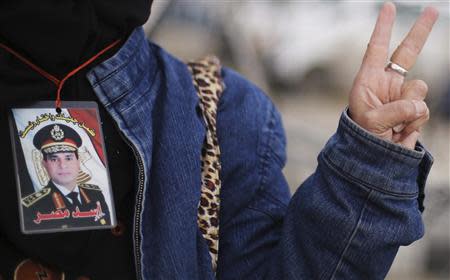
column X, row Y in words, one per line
column 348, row 219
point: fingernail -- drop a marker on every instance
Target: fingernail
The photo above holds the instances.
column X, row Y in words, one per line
column 399, row 128
column 421, row 107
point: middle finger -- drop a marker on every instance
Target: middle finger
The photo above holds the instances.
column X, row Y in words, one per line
column 406, row 53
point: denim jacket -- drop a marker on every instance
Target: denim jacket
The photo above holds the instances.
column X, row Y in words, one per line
column 346, row 221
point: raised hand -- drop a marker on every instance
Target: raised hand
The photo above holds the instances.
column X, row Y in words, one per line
column 380, row 100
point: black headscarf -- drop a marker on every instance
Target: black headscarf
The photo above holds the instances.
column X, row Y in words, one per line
column 58, row 35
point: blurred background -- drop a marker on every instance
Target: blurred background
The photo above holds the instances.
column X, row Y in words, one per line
column 305, row 54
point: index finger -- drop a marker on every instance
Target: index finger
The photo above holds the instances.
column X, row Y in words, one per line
column 378, row 48
column 406, row 53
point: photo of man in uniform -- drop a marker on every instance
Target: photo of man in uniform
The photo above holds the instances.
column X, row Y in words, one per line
column 63, row 202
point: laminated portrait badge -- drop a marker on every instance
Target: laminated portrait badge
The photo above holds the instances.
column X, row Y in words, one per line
column 61, row 169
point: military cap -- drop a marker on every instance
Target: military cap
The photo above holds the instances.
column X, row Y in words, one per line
column 57, row 138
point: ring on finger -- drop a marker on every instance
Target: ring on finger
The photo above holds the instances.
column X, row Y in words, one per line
column 397, row 68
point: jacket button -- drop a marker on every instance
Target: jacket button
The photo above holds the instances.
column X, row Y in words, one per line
column 119, row 229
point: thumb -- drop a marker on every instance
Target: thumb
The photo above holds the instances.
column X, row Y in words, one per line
column 410, row 140
column 397, row 112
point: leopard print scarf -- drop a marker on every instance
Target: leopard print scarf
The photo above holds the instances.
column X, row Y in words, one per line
column 209, row 86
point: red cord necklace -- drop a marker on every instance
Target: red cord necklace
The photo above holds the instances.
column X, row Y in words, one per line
column 59, row 83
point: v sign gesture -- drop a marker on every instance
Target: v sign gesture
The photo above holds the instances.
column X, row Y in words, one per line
column 380, row 100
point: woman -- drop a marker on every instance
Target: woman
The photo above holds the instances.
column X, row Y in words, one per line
column 346, row 221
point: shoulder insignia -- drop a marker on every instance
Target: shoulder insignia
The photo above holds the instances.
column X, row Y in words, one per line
column 90, row 187
column 35, row 197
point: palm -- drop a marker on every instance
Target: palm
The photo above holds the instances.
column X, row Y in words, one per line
column 373, row 93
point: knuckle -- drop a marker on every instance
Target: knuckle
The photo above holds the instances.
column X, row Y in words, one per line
column 408, row 108
column 415, row 89
column 410, row 47
column 372, row 46
column 421, row 85
column 374, row 50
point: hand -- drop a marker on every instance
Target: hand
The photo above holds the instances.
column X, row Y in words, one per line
column 380, row 100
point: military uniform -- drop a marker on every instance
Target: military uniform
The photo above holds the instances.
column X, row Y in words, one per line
column 50, row 200
column 57, row 208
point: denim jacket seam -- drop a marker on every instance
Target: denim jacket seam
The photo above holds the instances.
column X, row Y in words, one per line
column 270, row 149
column 125, row 93
column 130, row 131
column 399, row 150
column 272, row 198
column 272, row 153
column 262, row 212
column 265, row 196
column 268, row 152
column 265, row 156
column 136, row 50
column 364, row 184
column 352, row 236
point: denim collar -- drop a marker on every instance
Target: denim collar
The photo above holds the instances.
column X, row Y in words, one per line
column 119, row 74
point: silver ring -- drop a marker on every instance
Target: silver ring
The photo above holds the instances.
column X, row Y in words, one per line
column 397, row 68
